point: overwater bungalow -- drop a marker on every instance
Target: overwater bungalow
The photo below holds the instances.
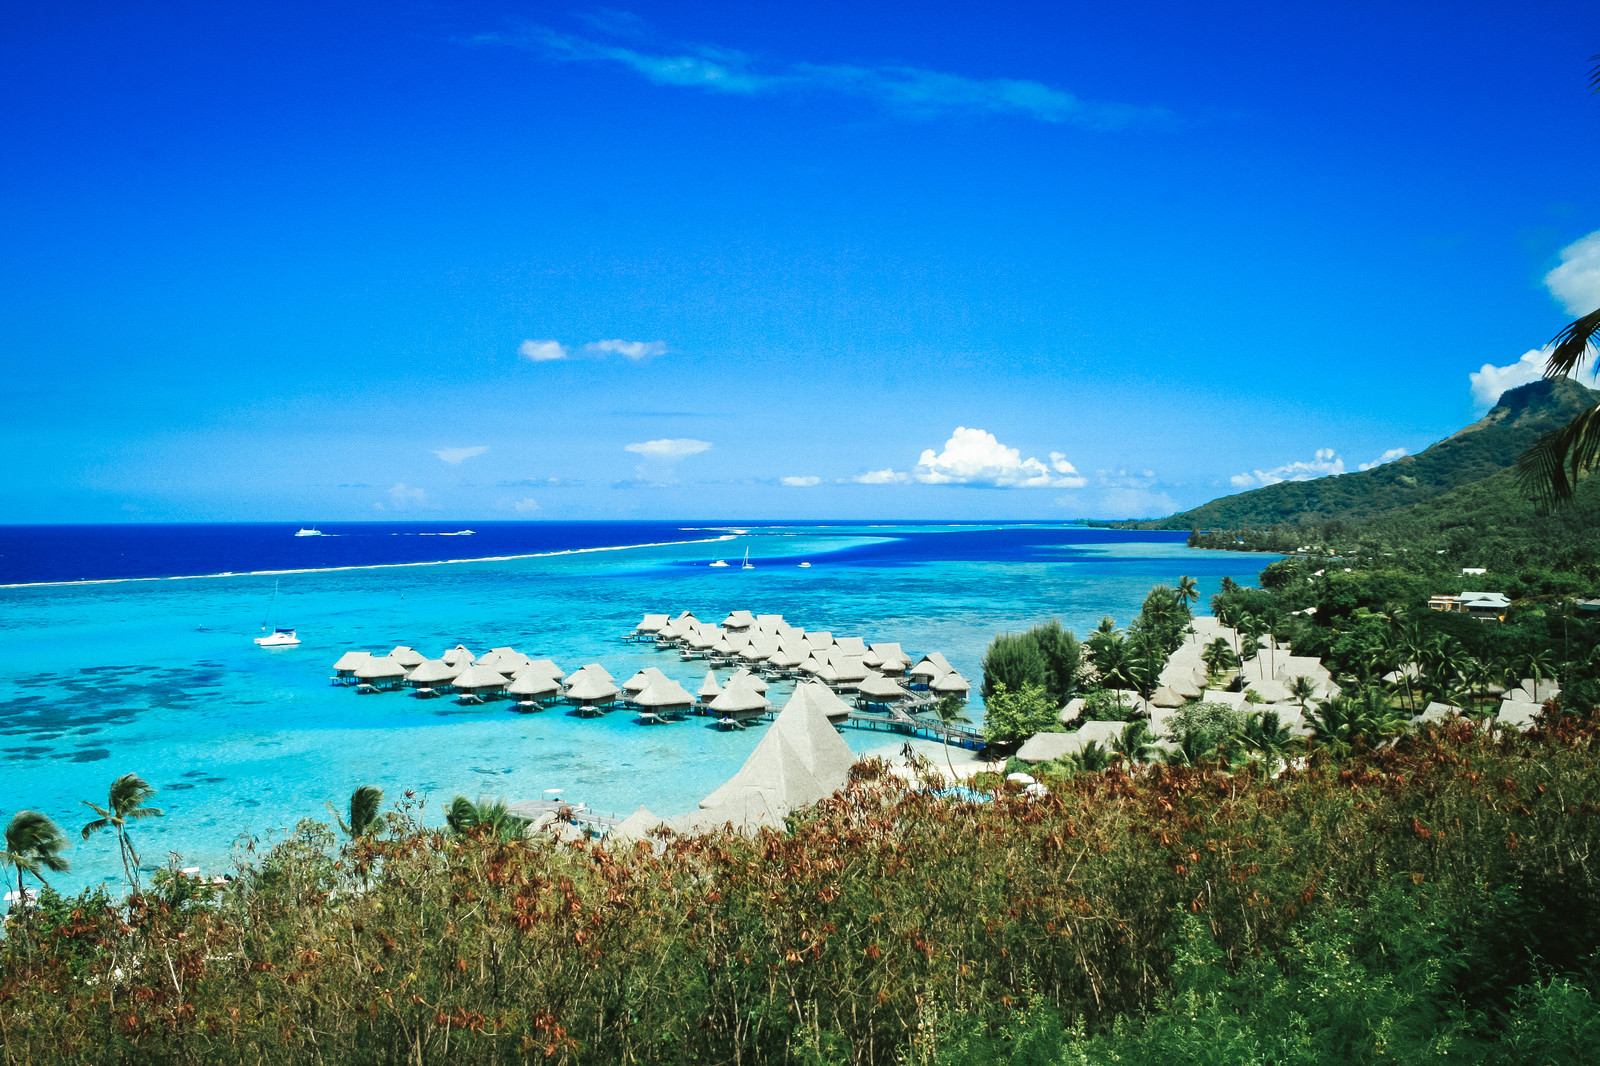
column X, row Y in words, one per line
column 709, row 689
column 815, row 695
column 545, row 668
column 590, row 691
column 344, row 671
column 478, row 681
column 879, row 691
column 505, row 660
column 379, row 674
column 648, row 627
column 739, row 620
column 850, row 647
column 662, row 699
column 641, row 681
column 533, row 691
column 952, row 684
column 429, row 676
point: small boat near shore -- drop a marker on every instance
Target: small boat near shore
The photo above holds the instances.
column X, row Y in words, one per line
column 281, row 636
column 719, row 562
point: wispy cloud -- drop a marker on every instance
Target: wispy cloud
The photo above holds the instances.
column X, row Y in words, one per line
column 800, row 482
column 975, row 457
column 550, row 351
column 886, row 476
column 455, row 456
column 906, row 90
column 634, row 350
column 542, row 351
column 1325, row 462
column 670, row 448
column 401, row 497
column 1387, row 457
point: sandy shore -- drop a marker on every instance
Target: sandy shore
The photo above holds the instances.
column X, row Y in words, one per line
column 966, row 763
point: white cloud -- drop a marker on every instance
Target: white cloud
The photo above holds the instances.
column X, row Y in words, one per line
column 542, row 351
column 403, row 496
column 910, row 91
column 975, row 457
column 456, row 455
column 525, row 505
column 634, row 350
column 800, row 482
column 1387, row 457
column 670, row 449
column 1576, row 282
column 1489, row 381
column 1324, row 463
column 887, row 476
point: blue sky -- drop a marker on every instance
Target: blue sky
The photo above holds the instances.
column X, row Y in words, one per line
column 482, row 260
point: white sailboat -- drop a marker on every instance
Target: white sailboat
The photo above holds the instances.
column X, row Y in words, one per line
column 279, row 637
column 719, row 562
column 747, row 564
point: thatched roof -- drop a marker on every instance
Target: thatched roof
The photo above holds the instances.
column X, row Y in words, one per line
column 586, row 687
column 850, row 647
column 480, row 676
column 800, row 760
column 709, row 687
column 819, row 640
column 641, row 681
column 635, row 826
column 817, row 696
column 1165, row 697
column 533, row 685
column 1042, row 747
column 664, row 692
column 951, row 682
column 650, row 623
column 459, row 656
column 597, row 670
column 932, row 665
column 406, row 656
column 887, row 653
column 432, row 671
column 739, row 620
column 739, row 699
column 350, row 660
column 378, row 668
column 846, row 670
column 876, row 686
column 743, row 677
column 546, row 667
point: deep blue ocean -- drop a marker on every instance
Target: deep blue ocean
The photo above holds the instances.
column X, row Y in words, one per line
column 137, row 655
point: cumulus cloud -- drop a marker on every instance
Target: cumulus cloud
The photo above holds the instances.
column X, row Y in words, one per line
column 525, row 505
column 457, row 455
column 887, row 476
column 800, row 482
column 1490, row 381
column 670, row 448
column 913, row 92
column 1325, row 462
column 975, row 457
column 1576, row 282
column 634, row 350
column 1387, row 457
column 542, row 351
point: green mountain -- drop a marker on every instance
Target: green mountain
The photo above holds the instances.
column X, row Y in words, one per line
column 1486, row 448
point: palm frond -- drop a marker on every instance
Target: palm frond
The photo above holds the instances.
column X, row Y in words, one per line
column 1594, row 74
column 1571, row 346
column 364, row 805
column 128, row 793
column 96, row 825
column 1549, row 470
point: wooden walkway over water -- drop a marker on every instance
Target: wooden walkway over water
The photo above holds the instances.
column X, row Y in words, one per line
column 576, row 813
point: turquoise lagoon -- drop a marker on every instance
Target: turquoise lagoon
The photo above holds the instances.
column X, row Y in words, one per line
column 161, row 678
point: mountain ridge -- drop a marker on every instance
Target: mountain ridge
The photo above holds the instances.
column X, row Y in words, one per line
column 1477, row 451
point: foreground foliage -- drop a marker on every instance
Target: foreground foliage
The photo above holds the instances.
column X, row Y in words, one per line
column 1439, row 894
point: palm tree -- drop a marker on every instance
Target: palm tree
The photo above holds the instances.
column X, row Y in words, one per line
column 1302, row 690
column 1551, row 467
column 1264, row 734
column 124, row 804
column 364, row 804
column 950, row 708
column 32, row 841
column 1136, row 741
column 1218, row 657
column 1188, row 592
column 484, row 818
